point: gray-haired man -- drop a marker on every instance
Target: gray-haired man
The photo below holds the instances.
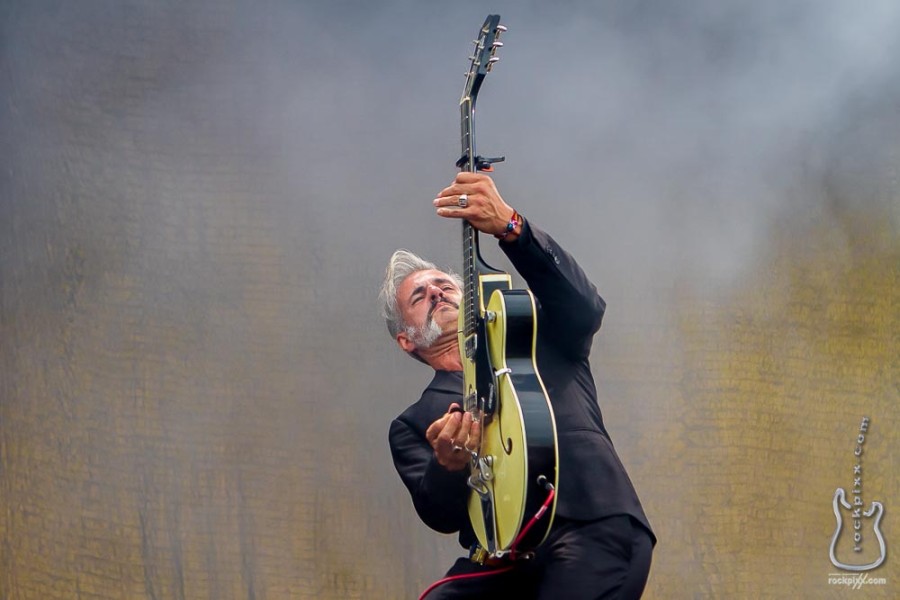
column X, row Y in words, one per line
column 601, row 543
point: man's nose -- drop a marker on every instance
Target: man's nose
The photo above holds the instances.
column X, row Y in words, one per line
column 435, row 292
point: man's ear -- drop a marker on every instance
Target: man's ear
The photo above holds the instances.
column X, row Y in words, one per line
column 405, row 343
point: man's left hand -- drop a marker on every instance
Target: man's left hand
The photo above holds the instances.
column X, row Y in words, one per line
column 474, row 197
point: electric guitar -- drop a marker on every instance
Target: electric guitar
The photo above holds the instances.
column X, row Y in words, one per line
column 513, row 474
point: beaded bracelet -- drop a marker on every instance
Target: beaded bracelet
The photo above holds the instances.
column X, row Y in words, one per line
column 514, row 221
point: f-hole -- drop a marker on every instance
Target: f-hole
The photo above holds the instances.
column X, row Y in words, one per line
column 507, row 443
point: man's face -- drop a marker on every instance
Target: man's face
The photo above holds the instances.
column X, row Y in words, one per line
column 427, row 296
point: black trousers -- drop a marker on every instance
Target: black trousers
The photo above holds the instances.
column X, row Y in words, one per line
column 580, row 560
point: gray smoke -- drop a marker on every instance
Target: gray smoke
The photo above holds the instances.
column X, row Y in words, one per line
column 198, row 201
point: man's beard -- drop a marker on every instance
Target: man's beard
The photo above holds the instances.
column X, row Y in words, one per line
column 426, row 335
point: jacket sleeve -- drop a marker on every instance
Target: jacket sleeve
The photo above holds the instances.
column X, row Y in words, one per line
column 571, row 308
column 439, row 495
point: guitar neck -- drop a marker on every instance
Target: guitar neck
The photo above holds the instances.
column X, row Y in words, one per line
column 469, row 233
column 473, row 266
column 470, row 277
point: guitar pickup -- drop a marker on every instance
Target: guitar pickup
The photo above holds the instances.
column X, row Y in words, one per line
column 471, row 346
column 490, row 403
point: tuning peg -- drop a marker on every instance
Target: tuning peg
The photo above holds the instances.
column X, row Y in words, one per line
column 501, row 28
column 497, row 44
column 493, row 59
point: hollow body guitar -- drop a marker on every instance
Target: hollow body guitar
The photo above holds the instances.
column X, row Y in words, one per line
column 513, row 474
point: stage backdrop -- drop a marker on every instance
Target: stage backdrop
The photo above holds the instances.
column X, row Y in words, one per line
column 197, row 201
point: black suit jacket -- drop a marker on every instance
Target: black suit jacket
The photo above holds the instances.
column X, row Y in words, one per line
column 592, row 480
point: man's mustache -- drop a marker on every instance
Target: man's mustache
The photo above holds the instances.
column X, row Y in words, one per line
column 434, row 304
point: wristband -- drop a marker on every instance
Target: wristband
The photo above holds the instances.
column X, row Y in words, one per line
column 514, row 221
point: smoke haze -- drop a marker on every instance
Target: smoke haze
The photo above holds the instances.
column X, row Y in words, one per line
column 198, row 201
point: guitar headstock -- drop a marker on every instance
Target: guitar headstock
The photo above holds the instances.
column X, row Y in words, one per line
column 484, row 56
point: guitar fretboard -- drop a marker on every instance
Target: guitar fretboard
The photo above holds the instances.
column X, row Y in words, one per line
column 480, row 64
column 470, row 275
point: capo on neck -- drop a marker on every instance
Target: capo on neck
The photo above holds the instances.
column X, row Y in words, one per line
column 481, row 163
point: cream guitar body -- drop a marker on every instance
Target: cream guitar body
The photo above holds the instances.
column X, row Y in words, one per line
column 516, row 463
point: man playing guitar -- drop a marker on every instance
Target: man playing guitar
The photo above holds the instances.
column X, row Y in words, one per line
column 600, row 543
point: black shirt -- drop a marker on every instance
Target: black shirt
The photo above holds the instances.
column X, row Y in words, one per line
column 592, row 480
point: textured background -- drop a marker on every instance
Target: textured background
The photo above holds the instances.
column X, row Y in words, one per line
column 197, row 200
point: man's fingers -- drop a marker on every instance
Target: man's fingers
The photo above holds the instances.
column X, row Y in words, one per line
column 462, row 436
column 469, row 176
column 453, row 200
column 447, row 434
column 474, row 442
column 454, row 436
column 434, row 430
column 465, row 183
column 449, row 207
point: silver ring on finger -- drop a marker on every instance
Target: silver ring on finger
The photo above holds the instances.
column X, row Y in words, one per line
column 463, row 200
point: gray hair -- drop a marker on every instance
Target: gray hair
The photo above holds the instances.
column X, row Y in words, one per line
column 403, row 263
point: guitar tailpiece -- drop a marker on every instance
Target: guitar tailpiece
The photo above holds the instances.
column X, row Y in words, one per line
column 478, row 486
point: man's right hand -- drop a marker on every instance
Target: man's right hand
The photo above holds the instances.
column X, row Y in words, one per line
column 454, row 436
